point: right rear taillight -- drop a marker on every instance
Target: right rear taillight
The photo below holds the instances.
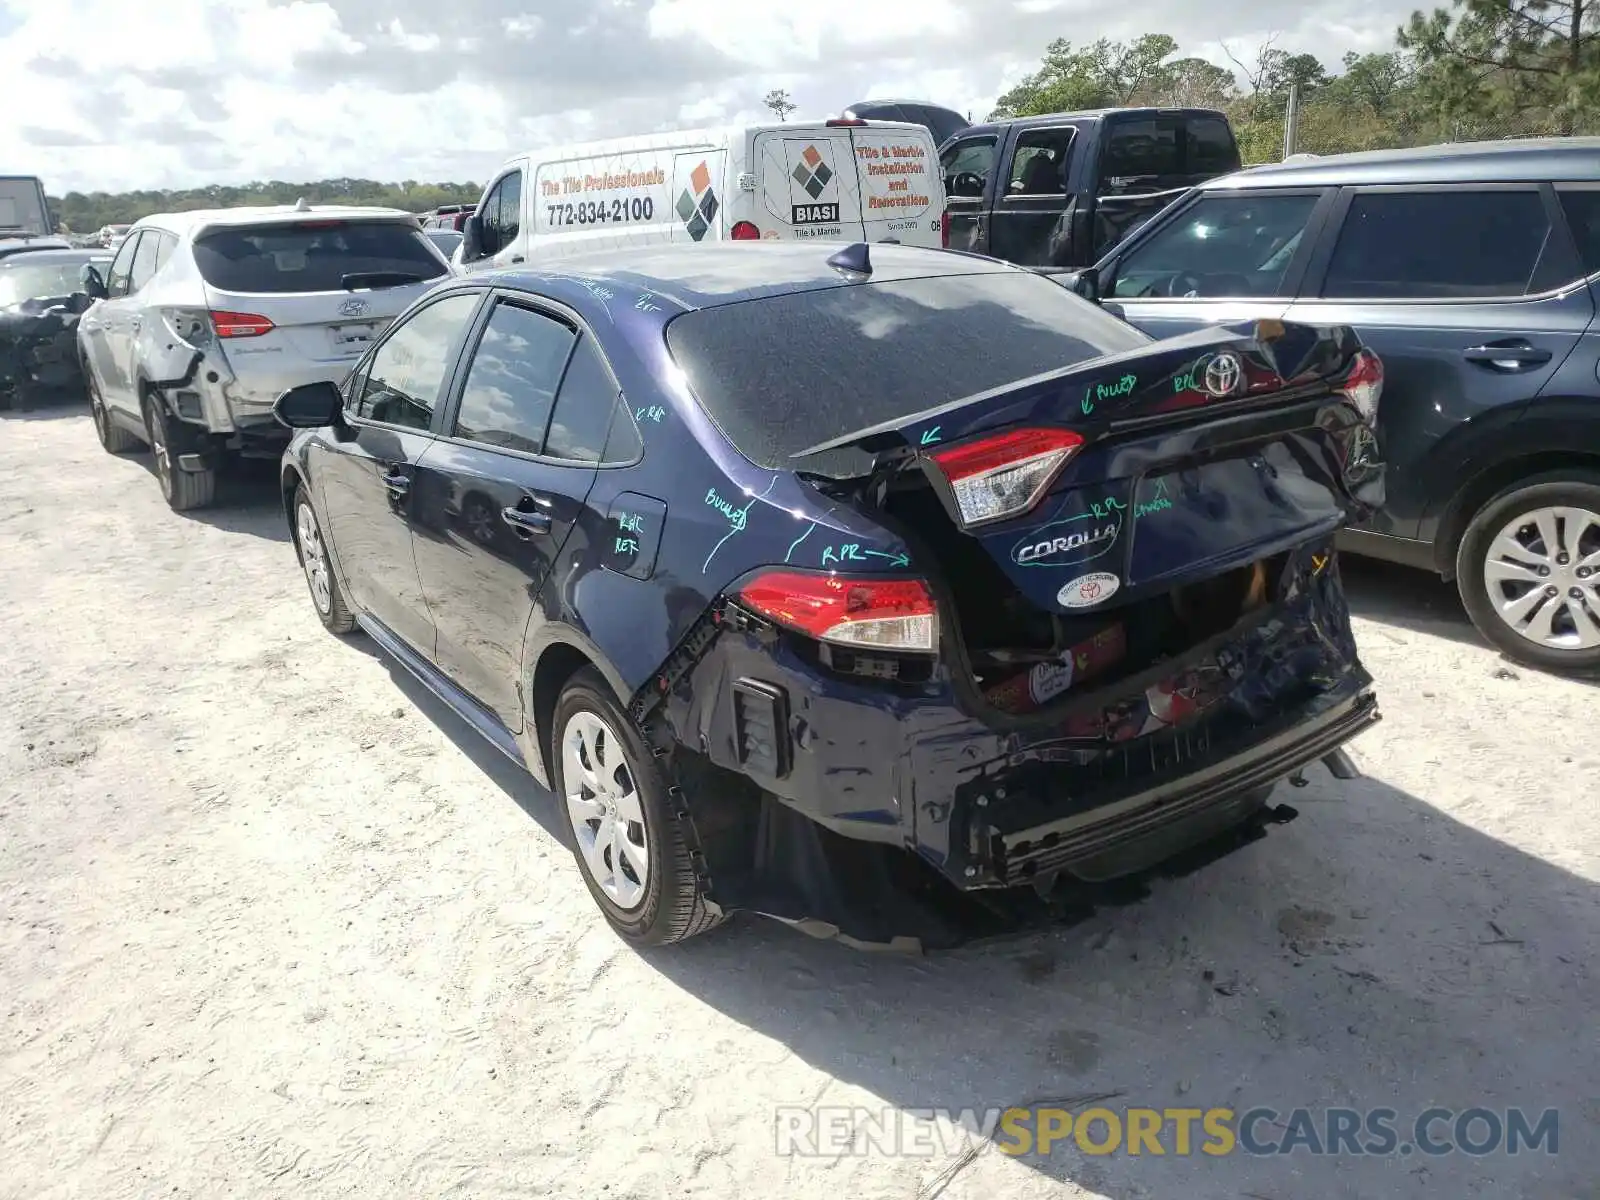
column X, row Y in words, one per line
column 876, row 614
column 1004, row 475
column 744, row 231
column 238, row 324
column 1364, row 384
column 944, row 230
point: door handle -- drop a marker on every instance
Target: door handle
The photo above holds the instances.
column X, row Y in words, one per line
column 1507, row 356
column 524, row 521
column 397, row 483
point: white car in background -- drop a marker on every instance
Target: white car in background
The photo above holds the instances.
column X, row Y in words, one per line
column 205, row 318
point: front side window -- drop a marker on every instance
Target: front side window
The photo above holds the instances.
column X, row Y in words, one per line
column 511, row 384
column 966, row 166
column 121, row 266
column 1446, row 244
column 502, row 213
column 1039, row 167
column 1221, row 245
column 403, row 380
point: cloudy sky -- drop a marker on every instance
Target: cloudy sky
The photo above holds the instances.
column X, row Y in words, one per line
column 120, row 94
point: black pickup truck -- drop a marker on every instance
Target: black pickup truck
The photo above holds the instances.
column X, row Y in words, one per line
column 1060, row 190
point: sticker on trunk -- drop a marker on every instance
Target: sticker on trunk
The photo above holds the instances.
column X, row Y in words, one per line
column 1088, row 590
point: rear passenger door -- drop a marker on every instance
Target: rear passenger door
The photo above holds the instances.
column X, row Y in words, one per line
column 1472, row 297
column 501, row 492
column 127, row 317
column 1027, row 222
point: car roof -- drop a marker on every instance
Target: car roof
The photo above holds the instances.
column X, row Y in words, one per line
column 694, row 277
column 266, row 214
column 61, row 254
column 1559, row 160
column 1086, row 114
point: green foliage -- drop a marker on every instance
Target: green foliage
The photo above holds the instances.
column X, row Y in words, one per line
column 1486, row 69
column 86, row 212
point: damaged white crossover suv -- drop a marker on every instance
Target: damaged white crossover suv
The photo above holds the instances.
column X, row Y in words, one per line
column 205, row 318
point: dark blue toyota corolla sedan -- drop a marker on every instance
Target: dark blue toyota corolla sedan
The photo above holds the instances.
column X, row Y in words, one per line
column 823, row 582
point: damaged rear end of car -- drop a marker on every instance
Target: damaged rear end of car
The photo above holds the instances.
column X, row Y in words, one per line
column 1106, row 618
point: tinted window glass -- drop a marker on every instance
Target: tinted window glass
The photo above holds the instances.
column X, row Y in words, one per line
column 1038, row 168
column 1442, row 244
column 1583, row 216
column 165, row 244
column 144, row 261
column 311, row 257
column 502, row 214
column 121, row 265
column 512, row 382
column 1222, row 245
column 967, row 163
column 403, row 381
column 586, row 410
column 842, row 359
column 1211, row 149
column 1143, row 146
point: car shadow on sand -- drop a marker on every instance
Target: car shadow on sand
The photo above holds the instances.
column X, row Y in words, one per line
column 1373, row 954
column 247, row 500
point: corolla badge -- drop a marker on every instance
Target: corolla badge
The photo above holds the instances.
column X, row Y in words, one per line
column 1223, row 374
column 352, row 307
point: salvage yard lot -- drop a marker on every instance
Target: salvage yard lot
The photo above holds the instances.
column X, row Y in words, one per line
column 275, row 923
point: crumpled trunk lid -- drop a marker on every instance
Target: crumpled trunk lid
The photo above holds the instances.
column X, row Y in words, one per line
column 1193, row 456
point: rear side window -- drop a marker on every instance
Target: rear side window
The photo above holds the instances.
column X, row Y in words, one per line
column 1144, row 146
column 1583, row 217
column 314, row 256
column 589, row 424
column 401, row 387
column 1039, row 166
column 1448, row 244
column 511, row 385
column 144, row 260
column 830, row 362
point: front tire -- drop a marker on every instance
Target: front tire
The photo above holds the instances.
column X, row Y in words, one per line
column 629, row 845
column 327, row 597
column 1528, row 569
column 183, row 490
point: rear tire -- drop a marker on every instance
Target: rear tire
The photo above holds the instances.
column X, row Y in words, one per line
column 114, row 439
column 184, row 490
column 327, row 597
column 615, row 797
column 1512, row 605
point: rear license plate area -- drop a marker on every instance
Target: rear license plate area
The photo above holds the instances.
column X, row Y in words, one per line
column 1184, row 519
column 353, row 339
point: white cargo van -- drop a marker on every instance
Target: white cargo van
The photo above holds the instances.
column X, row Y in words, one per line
column 835, row 181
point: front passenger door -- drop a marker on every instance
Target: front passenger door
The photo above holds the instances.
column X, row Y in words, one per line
column 365, row 474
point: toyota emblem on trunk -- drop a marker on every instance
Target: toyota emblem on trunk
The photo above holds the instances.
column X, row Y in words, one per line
column 1223, row 374
column 354, row 308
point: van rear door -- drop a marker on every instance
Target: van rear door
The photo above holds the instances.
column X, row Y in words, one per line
column 808, row 184
column 902, row 191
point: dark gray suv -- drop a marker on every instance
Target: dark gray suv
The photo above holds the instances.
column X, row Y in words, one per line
column 1474, row 271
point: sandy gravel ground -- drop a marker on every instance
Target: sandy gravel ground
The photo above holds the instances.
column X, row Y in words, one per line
column 274, row 924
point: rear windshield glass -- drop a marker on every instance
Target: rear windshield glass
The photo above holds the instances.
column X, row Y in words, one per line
column 315, row 256
column 782, row 373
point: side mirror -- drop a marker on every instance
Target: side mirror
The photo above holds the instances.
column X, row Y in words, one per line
column 1084, row 284
column 93, row 285
column 309, row 406
column 472, row 238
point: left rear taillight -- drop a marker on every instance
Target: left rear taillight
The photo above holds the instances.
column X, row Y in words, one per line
column 1364, row 384
column 238, row 324
column 875, row 614
column 1004, row 475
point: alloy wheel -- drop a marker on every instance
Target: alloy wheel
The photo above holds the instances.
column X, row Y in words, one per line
column 314, row 559
column 604, row 807
column 1542, row 573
